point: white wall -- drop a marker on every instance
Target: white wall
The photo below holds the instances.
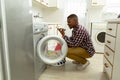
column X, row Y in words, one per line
column 37, row 11
column 53, row 15
column 77, row 7
column 97, row 14
column 59, row 16
column 100, row 13
column 66, row 7
column 94, row 14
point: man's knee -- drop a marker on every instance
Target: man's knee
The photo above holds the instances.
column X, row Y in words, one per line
column 69, row 55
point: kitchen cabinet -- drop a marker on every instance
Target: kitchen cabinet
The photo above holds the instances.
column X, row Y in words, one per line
column 52, row 3
column 98, row 2
column 116, row 68
column 112, row 50
column 48, row 3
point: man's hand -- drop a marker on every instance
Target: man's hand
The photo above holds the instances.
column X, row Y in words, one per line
column 62, row 31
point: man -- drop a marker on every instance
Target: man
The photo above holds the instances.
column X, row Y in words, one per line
column 80, row 44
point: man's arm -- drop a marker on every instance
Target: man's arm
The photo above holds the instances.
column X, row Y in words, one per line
column 76, row 39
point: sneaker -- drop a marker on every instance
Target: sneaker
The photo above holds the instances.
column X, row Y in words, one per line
column 82, row 66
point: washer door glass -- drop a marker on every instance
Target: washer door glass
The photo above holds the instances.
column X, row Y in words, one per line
column 101, row 37
column 52, row 49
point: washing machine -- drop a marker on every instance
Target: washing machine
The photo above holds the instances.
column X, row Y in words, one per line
column 45, row 51
column 39, row 31
column 98, row 31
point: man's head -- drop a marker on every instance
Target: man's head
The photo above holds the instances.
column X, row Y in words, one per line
column 72, row 21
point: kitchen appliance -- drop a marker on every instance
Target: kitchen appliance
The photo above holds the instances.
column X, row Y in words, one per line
column 21, row 59
column 43, row 49
column 98, row 31
column 16, row 40
column 48, row 53
column 40, row 30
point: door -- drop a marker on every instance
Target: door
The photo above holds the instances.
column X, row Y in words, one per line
column 52, row 49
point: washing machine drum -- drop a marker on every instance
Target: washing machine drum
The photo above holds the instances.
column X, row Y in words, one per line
column 52, row 49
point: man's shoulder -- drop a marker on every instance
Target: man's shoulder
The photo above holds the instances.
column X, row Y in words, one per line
column 83, row 29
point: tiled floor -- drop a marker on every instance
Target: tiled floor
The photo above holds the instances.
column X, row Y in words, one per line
column 69, row 72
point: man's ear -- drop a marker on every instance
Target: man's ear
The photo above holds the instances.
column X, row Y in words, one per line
column 75, row 19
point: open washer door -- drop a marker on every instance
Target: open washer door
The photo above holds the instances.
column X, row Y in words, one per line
column 47, row 49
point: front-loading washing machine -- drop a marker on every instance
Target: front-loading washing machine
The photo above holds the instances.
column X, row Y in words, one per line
column 39, row 31
column 98, row 31
column 45, row 51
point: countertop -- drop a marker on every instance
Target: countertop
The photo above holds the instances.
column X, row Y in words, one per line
column 117, row 20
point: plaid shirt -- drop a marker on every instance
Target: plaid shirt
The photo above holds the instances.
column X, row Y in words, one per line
column 80, row 38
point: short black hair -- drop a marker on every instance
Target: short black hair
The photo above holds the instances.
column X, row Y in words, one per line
column 72, row 16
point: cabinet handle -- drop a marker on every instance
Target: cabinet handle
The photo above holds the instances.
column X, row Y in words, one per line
column 110, row 29
column 106, row 65
column 107, row 54
column 108, row 41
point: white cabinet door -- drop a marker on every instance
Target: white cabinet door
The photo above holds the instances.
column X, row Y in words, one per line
column 52, row 3
column 116, row 65
column 49, row 3
column 118, row 40
column 98, row 2
column 48, row 55
column 110, row 42
column 111, row 29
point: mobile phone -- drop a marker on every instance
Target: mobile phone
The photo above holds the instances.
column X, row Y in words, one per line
column 61, row 29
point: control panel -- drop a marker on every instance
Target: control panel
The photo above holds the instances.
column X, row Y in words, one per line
column 40, row 28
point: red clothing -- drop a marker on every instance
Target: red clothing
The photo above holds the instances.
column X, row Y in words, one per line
column 58, row 47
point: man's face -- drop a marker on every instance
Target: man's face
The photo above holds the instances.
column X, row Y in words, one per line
column 71, row 22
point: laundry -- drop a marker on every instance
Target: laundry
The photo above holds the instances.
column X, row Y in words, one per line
column 51, row 54
column 56, row 52
column 58, row 47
